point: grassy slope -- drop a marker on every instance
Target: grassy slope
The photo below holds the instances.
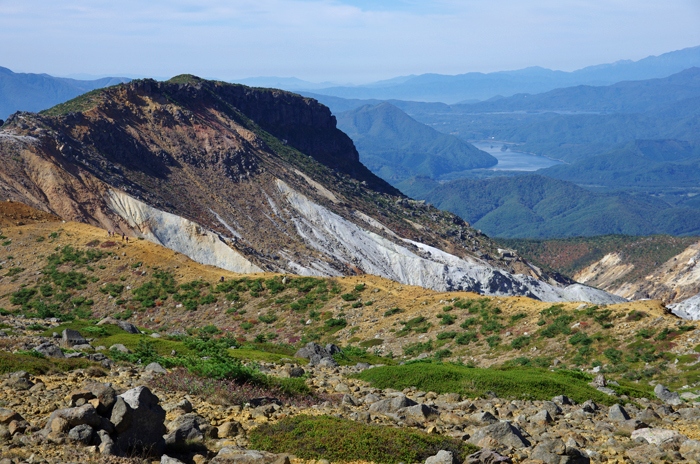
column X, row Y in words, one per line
column 521, row 383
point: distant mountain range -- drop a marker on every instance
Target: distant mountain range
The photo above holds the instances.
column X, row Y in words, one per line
column 36, row 92
column 395, row 147
column 481, row 86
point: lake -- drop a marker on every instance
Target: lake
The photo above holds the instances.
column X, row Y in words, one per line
column 514, row 160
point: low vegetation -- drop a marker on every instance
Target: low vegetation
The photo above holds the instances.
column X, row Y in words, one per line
column 309, row 437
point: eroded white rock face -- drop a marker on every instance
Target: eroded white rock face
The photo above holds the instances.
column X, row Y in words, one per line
column 343, row 240
column 687, row 309
column 178, row 234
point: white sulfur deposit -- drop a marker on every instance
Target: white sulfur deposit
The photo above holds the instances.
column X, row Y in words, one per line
column 344, row 241
column 178, row 234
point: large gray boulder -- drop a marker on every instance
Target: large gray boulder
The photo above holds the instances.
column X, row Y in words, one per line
column 62, row 420
column 617, row 413
column 391, row 405
column 312, row 349
column 503, row 433
column 655, row 436
column 71, row 338
column 50, row 350
column 128, row 327
column 103, row 392
column 554, row 451
column 188, row 427
column 138, row 421
column 442, row 457
column 235, row 455
column 667, row 396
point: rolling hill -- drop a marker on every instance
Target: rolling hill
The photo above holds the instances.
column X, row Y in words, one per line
column 533, row 206
column 395, row 147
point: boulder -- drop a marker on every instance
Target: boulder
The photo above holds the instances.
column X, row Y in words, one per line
column 442, row 457
column 71, row 338
column 599, row 381
column 101, row 395
column 293, row 372
column 333, row 349
column 617, row 413
column 647, row 415
column 236, row 455
column 50, row 350
column 327, row 362
column 21, row 383
column 419, row 413
column 503, row 433
column 119, row 347
column 165, row 459
column 647, row 454
column 554, row 451
column 138, row 420
column 655, row 436
column 391, row 405
column 563, row 400
column 62, row 420
column 487, row 456
column 541, row 417
column 128, row 327
column 8, row 415
column 82, row 434
column 230, row 429
column 552, row 408
column 689, row 413
column 484, row 417
column 156, row 368
column 312, row 349
column 667, row 396
column 189, row 427
column 690, row 448
column 631, row 425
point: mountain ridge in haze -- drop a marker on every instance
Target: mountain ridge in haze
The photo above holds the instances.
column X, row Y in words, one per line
column 36, row 92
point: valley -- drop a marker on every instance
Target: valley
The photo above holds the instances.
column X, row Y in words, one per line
column 368, row 281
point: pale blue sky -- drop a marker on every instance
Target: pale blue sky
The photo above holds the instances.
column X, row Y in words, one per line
column 332, row 40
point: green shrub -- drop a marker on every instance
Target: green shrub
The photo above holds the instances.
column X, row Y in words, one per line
column 615, row 356
column 580, row 338
column 418, row 348
column 466, row 338
column 520, row 342
column 350, row 296
column 493, row 341
column 446, row 335
column 447, row 319
column 13, row 271
column 267, row 318
column 338, row 440
column 392, row 311
column 472, row 321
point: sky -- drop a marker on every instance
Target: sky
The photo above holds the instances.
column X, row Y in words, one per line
column 351, row 41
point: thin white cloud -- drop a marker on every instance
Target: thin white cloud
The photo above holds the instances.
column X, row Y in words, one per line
column 333, row 39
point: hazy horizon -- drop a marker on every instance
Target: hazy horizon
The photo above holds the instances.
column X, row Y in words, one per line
column 348, row 41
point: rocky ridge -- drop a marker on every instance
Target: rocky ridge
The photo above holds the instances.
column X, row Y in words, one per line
column 201, row 166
